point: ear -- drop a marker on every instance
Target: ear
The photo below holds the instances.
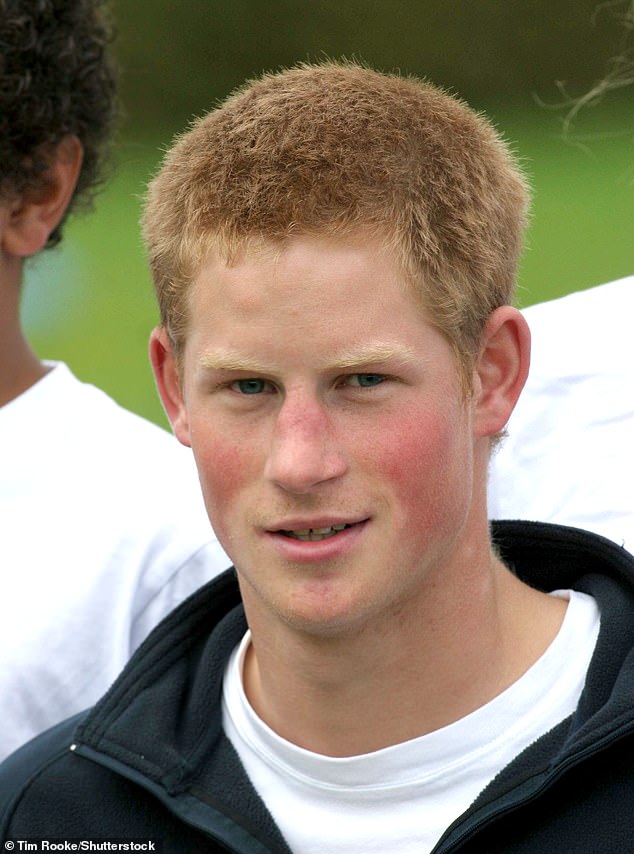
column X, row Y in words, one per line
column 33, row 216
column 501, row 369
column 168, row 384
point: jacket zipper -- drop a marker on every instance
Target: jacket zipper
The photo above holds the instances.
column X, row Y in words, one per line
column 536, row 785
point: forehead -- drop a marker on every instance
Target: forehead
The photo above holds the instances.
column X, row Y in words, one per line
column 309, row 302
column 303, row 268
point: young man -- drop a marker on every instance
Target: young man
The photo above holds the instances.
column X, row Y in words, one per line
column 334, row 253
column 102, row 527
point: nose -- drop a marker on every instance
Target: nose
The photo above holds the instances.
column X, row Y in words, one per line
column 304, row 451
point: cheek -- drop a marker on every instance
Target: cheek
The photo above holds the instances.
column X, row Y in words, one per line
column 224, row 471
column 427, row 464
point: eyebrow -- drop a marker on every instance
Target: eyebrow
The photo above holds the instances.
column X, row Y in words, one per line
column 227, row 360
column 221, row 360
column 374, row 353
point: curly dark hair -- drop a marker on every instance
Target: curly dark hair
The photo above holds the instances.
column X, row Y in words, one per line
column 56, row 78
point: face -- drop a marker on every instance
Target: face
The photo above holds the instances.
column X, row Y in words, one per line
column 334, row 447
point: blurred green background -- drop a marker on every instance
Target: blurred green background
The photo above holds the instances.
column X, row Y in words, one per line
column 90, row 302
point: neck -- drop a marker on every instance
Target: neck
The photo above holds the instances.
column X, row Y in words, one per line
column 20, row 368
column 418, row 672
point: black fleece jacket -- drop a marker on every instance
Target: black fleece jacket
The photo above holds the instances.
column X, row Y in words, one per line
column 150, row 761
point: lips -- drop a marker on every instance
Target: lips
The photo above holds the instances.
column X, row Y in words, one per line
column 314, row 534
column 302, row 539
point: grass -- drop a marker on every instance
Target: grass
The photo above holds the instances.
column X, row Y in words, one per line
column 90, row 303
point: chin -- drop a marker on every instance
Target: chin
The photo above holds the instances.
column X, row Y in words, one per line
column 329, row 618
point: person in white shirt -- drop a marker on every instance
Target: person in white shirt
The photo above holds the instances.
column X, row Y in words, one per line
column 569, row 456
column 102, row 527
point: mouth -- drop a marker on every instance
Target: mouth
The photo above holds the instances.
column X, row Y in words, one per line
column 314, row 534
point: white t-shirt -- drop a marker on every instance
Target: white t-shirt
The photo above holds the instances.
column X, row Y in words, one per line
column 102, row 532
column 569, row 455
column 401, row 799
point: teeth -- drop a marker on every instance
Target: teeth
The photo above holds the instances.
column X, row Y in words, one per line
column 313, row 534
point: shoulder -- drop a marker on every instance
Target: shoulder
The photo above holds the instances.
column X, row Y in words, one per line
column 47, row 790
column 548, row 547
column 21, row 771
column 105, row 484
column 585, row 325
column 82, row 404
column 78, row 420
column 93, row 446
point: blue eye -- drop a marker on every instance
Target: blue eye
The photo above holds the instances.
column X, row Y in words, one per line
column 250, row 386
column 367, row 380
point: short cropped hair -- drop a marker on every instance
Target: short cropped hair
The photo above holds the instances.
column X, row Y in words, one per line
column 56, row 78
column 333, row 149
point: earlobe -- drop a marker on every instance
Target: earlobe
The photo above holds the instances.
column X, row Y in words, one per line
column 501, row 369
column 168, row 383
column 38, row 212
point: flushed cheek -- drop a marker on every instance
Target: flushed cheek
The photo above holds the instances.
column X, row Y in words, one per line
column 225, row 473
column 425, row 464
